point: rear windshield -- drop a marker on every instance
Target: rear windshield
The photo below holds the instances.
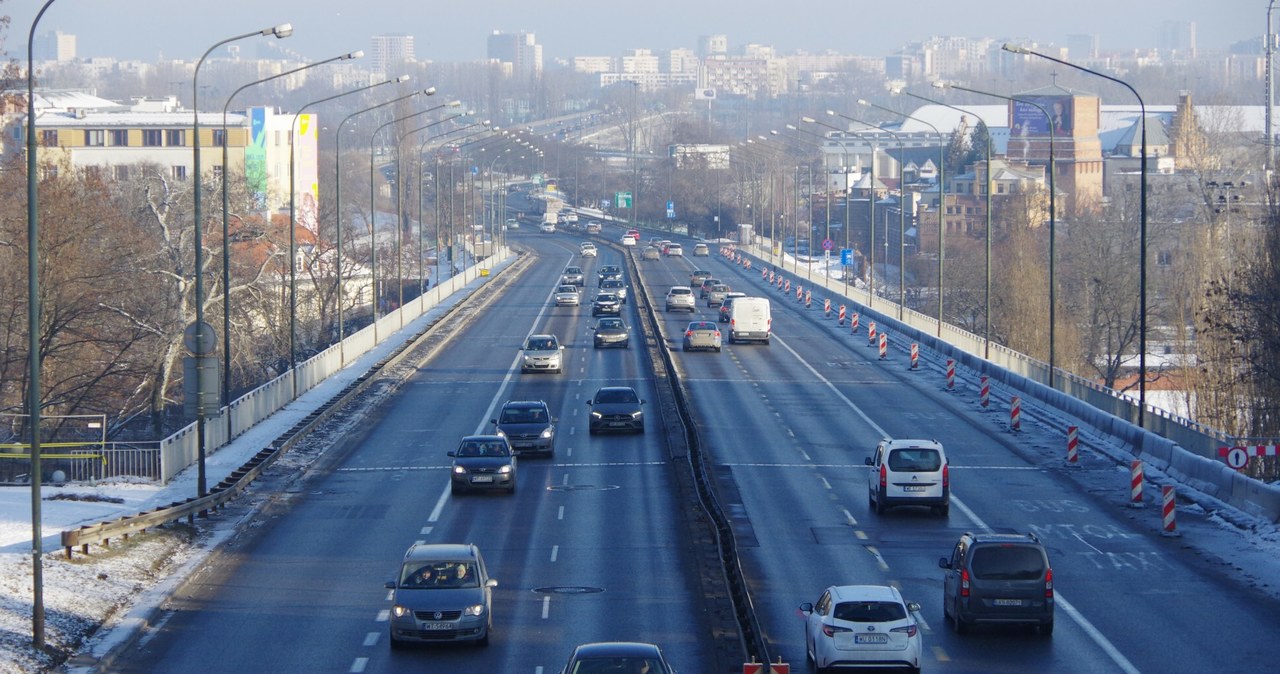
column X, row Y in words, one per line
column 869, row 611
column 1007, row 562
column 915, row 460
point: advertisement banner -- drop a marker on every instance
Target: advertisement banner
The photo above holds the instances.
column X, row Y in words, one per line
column 1028, row 120
column 255, row 157
column 306, row 171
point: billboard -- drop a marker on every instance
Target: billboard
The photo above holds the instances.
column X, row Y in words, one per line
column 306, row 171
column 255, row 156
column 1028, row 120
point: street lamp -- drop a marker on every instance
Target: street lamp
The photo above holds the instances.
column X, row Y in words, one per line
column 942, row 194
column 1142, row 210
column 293, row 224
column 226, row 210
column 337, row 193
column 400, row 213
column 1048, row 118
column 435, row 182
column 422, row 147
column 826, row 196
column 986, row 338
column 200, row 335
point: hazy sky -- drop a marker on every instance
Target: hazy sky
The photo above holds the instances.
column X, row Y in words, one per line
column 456, row 31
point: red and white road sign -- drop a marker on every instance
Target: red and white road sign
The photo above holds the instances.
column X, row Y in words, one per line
column 1238, row 457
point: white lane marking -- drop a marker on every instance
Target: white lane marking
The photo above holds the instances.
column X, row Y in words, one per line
column 383, row 616
column 825, row 484
column 425, row 530
column 884, row 566
column 359, row 665
column 848, row 517
column 435, row 512
column 1089, row 629
column 546, row 606
column 371, row 638
column 555, row 552
column 560, row 514
column 391, row 594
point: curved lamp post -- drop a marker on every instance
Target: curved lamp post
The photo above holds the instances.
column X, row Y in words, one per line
column 1142, row 216
column 942, row 193
column 1048, row 118
column 293, row 224
column 337, row 194
column 200, row 335
column 400, row 212
column 422, row 148
column 226, row 209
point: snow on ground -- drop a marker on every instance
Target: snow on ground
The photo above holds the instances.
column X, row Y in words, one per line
column 93, row 603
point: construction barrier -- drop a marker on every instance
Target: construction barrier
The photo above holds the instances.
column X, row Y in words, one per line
column 842, row 315
column 984, row 390
column 884, row 345
column 1073, row 433
column 1015, row 413
column 1168, row 509
column 778, row 667
column 808, row 299
column 747, row 264
column 871, row 333
column 854, row 323
column 826, row 308
column 786, row 286
column 1135, row 483
column 951, row 373
column 915, row 356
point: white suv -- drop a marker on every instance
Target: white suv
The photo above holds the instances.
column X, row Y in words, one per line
column 681, row 297
column 542, row 353
column 909, row 472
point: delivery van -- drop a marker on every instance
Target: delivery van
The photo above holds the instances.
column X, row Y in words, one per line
column 750, row 320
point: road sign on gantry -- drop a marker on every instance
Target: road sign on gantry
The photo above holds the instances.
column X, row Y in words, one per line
column 622, row 199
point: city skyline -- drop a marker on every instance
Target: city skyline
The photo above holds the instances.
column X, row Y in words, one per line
column 568, row 28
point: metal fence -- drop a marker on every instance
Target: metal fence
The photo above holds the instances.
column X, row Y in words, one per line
column 113, row 461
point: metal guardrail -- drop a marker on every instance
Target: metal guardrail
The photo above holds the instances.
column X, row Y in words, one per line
column 242, row 477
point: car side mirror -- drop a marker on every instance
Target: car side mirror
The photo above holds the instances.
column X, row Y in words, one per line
column 806, row 607
column 588, row 403
column 944, row 563
column 494, row 422
column 555, row 420
column 562, row 347
column 867, row 462
column 452, row 453
column 391, row 585
column 641, row 402
column 913, row 607
column 491, row 583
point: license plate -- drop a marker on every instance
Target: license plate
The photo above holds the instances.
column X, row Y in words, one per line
column 1008, row 602
column 437, row 626
column 617, row 424
column 871, row 638
column 913, row 487
column 482, row 478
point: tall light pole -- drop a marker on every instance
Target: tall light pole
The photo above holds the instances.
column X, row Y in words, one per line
column 200, row 334
column 1048, row 118
column 33, row 343
column 1142, row 216
column 871, row 239
column 293, row 224
column 825, row 190
column 400, row 212
column 422, row 148
column 435, row 185
column 226, row 240
column 337, row 194
column 942, row 194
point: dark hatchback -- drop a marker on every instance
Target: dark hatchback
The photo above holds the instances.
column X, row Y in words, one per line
column 617, row 656
column 612, row 332
column 616, row 408
column 483, row 462
column 528, row 426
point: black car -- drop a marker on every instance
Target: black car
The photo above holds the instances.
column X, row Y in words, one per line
column 998, row 579
column 606, row 303
column 609, row 271
column 616, row 408
column 612, row 332
column 617, row 656
column 483, row 462
column 528, row 426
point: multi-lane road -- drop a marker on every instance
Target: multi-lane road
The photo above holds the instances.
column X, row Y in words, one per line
column 594, row 545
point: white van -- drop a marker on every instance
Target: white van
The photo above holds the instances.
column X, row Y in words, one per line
column 750, row 320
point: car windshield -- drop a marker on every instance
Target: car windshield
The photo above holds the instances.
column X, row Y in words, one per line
column 523, row 415
column 616, row 396
column 915, row 460
column 438, row 575
column 606, row 297
column 617, row 665
column 541, row 344
column 869, row 611
column 474, row 448
column 613, row 324
column 569, row 289
column 1007, row 562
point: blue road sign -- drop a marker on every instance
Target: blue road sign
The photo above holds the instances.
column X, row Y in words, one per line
column 846, row 256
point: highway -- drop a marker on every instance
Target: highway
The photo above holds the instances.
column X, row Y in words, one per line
column 594, row 544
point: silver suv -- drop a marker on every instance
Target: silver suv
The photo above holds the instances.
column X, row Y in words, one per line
column 998, row 579
column 542, row 353
column 909, row 472
column 681, row 297
column 528, row 426
column 573, row 276
column 442, row 592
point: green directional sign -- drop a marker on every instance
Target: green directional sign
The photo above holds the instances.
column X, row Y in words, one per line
column 622, row 199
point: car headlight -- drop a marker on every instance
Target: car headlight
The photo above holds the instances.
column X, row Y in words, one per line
column 596, row 415
column 637, row 414
column 501, row 433
column 459, row 470
column 548, row 432
column 477, row 609
column 399, row 611
column 528, row 359
column 505, row 469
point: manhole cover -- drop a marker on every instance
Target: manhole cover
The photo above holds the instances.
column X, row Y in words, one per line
column 567, row 589
column 581, row 487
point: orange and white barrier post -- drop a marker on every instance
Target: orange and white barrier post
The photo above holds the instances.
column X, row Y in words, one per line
column 808, row 299
column 1015, row 414
column 984, row 391
column 854, row 322
column 871, row 333
column 764, row 275
column 1168, row 509
column 826, row 308
column 799, row 293
column 842, row 309
column 786, row 287
column 951, row 373
column 915, row 356
column 1135, row 484
column 747, row 263
column 1073, row 454
column 884, row 345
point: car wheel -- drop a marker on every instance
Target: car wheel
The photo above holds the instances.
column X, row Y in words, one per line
column 880, row 504
column 455, row 489
column 483, row 641
column 717, row 349
column 396, row 644
column 685, row 347
column 512, row 488
column 959, row 624
column 942, row 510
column 1046, row 629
